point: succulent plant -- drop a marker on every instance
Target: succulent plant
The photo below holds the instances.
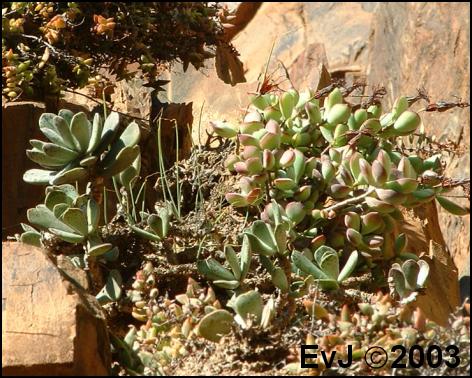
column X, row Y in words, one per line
column 111, row 292
column 266, row 239
column 250, row 312
column 328, row 175
column 156, row 225
column 408, row 278
column 71, row 217
column 79, row 149
column 325, row 266
column 300, row 149
column 167, row 324
column 239, row 265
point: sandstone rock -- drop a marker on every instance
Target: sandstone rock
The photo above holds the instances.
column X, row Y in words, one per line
column 303, row 36
column 49, row 325
column 439, row 300
column 19, row 125
column 416, row 45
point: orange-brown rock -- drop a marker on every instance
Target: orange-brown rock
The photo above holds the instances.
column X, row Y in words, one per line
column 415, row 45
column 50, row 326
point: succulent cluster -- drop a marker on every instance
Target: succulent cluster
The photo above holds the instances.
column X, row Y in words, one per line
column 80, row 150
column 75, row 151
column 382, row 324
column 334, row 173
column 331, row 181
column 167, row 324
column 41, row 53
column 296, row 151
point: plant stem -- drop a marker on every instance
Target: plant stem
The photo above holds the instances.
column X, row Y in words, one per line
column 350, row 201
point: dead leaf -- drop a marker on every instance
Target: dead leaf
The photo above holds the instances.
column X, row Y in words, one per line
column 228, row 66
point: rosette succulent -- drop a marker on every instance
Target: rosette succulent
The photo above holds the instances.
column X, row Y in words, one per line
column 239, row 265
column 79, row 149
column 71, row 217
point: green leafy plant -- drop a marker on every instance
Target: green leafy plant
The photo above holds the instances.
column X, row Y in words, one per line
column 76, row 147
column 407, row 279
column 325, row 266
column 156, row 225
column 335, row 171
column 250, row 312
column 71, row 217
column 239, row 265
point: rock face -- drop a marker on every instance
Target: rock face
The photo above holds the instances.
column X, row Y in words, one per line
column 416, row 45
column 19, row 125
column 49, row 325
column 301, row 35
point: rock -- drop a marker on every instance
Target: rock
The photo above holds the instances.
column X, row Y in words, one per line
column 49, row 325
column 303, row 35
column 416, row 45
column 19, row 125
column 426, row 241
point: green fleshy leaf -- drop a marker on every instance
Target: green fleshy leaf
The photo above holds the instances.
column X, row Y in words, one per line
column 38, row 176
column 88, row 161
column 111, row 292
column 31, row 238
column 215, row 325
column 233, row 261
column 120, row 162
column 56, row 197
column 349, row 266
column 70, row 237
column 59, row 209
column 80, row 128
column 214, row 270
column 109, row 130
column 42, row 217
column 44, row 160
column 69, row 175
column 306, row 266
column 93, row 215
column 99, row 250
column 76, row 219
column 245, row 257
column 63, row 130
column 96, row 134
column 249, row 304
column 230, row 285
column 145, row 234
column 66, row 114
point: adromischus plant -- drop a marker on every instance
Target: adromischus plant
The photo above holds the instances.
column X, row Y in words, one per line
column 324, row 266
column 71, row 217
column 250, row 311
column 408, row 278
column 156, row 225
column 81, row 150
column 239, row 265
column 74, row 218
column 336, row 173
